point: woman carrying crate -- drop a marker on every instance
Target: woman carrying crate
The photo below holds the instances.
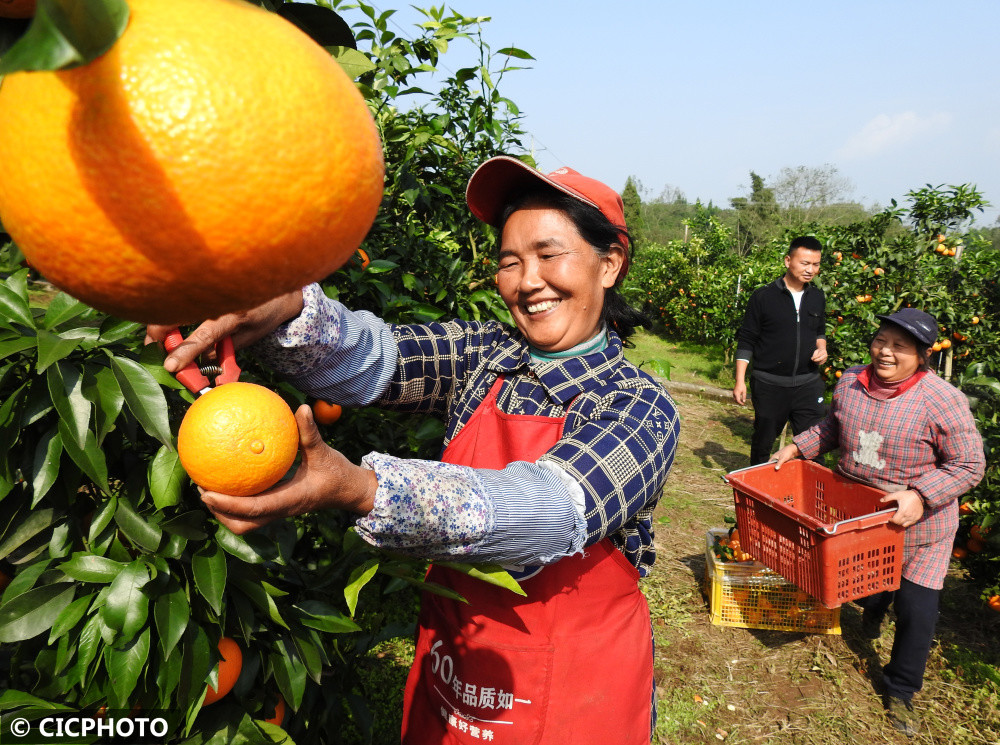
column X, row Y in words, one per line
column 901, row 428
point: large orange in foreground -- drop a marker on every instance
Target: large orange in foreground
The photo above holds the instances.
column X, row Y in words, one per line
column 238, row 439
column 214, row 158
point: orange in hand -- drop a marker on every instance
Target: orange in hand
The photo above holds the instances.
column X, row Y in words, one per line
column 238, row 439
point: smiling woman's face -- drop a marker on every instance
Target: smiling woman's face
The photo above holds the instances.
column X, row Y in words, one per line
column 551, row 279
column 894, row 354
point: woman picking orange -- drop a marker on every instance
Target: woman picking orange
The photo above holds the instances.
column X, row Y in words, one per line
column 556, row 450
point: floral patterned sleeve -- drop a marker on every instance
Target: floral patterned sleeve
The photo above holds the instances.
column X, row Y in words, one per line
column 441, row 511
column 331, row 352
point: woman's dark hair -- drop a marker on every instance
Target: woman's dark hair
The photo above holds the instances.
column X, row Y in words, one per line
column 923, row 350
column 598, row 231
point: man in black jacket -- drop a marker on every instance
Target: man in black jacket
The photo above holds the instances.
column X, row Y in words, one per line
column 784, row 336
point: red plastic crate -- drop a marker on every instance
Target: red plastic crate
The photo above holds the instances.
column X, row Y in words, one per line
column 825, row 533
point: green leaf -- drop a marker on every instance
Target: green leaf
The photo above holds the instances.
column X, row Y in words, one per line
column 125, row 666
column 360, row 577
column 168, row 677
column 14, row 306
column 251, row 549
column 197, row 664
column 11, row 699
column 70, row 617
column 115, row 329
column 289, row 672
column 354, row 63
column 34, row 523
column 489, row 573
column 60, row 541
column 151, row 357
column 34, row 611
column 209, row 567
column 101, row 388
column 515, row 52
column 14, row 346
column 275, row 733
column 324, row 617
column 62, row 308
column 45, row 468
column 65, row 384
column 52, row 348
column 188, row 525
column 136, row 528
column 166, row 478
column 26, row 578
column 660, row 368
column 424, row 313
column 88, row 644
column 87, row 567
column 127, row 607
column 90, row 458
column 102, row 518
column 310, row 656
column 144, row 397
column 259, row 597
column 170, row 613
column 67, row 33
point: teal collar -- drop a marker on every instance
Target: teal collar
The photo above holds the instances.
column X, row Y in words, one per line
column 598, row 343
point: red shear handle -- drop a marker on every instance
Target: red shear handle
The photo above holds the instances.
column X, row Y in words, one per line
column 192, row 377
column 227, row 361
column 189, row 375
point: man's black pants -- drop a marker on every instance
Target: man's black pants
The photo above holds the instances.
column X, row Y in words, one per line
column 774, row 405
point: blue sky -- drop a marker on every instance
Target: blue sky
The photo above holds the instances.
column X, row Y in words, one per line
column 695, row 95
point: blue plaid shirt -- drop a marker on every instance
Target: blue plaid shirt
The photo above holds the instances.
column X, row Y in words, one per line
column 603, row 477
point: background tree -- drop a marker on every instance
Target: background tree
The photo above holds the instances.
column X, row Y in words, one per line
column 757, row 216
column 665, row 214
column 633, row 210
column 803, row 187
column 812, row 195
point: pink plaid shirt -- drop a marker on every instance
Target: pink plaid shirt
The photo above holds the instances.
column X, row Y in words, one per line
column 924, row 439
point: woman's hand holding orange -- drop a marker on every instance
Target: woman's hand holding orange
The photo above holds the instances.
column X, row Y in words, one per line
column 325, row 479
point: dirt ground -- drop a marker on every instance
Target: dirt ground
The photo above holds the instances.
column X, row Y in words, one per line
column 737, row 685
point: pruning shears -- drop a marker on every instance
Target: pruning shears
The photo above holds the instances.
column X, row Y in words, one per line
column 194, row 377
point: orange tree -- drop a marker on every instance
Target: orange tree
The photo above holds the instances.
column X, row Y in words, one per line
column 122, row 584
column 698, row 289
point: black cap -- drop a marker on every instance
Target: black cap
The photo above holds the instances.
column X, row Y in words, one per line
column 922, row 325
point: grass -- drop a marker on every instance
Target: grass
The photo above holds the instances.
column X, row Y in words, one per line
column 685, row 361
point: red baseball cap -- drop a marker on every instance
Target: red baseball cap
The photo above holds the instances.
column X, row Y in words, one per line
column 499, row 179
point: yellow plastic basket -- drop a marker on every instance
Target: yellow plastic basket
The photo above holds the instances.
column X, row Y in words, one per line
column 748, row 595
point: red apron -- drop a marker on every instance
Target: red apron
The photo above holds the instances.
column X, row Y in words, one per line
column 570, row 663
